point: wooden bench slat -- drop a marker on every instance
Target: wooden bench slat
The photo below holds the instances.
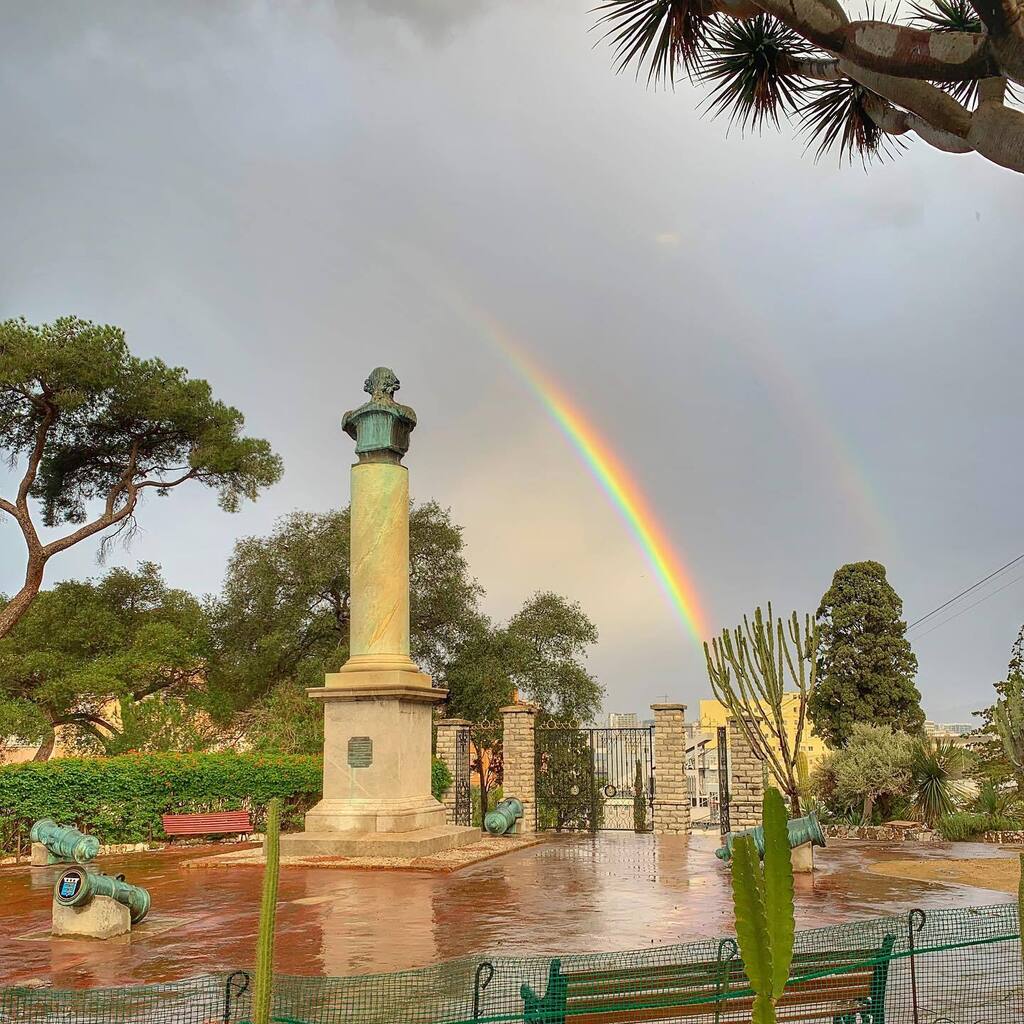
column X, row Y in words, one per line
column 206, row 824
column 860, row 978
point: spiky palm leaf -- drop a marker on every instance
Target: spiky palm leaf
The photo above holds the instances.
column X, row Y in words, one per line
column 836, row 116
column 747, row 61
column 936, row 772
column 664, row 34
column 950, row 16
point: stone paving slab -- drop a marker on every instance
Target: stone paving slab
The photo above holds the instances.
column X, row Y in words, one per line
column 445, row 861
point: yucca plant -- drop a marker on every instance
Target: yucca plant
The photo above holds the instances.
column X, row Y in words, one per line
column 762, row 895
column 264, row 973
column 936, row 771
column 836, row 116
column 749, row 65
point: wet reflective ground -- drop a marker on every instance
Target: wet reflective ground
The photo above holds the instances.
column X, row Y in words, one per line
column 570, row 894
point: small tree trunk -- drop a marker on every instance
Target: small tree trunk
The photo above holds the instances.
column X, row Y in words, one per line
column 12, row 612
column 869, row 806
column 46, row 747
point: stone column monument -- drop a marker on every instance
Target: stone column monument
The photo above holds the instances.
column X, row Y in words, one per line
column 378, row 708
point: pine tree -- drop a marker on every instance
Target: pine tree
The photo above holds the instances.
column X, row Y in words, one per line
column 866, row 666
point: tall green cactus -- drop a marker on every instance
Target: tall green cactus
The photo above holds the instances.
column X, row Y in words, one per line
column 763, row 904
column 1008, row 719
column 639, row 800
column 264, row 981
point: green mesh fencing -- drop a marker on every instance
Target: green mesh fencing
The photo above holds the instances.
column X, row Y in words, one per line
column 941, row 967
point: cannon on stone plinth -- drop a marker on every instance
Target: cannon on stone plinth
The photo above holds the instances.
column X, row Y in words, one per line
column 502, row 820
column 96, row 905
column 59, row 844
column 803, row 833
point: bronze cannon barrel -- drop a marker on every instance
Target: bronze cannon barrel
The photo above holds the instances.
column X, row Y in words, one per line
column 503, row 818
column 77, row 887
column 801, row 830
column 65, row 842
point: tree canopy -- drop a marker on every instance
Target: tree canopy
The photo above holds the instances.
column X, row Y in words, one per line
column 282, row 622
column 94, row 429
column 944, row 71
column 866, row 667
column 98, row 657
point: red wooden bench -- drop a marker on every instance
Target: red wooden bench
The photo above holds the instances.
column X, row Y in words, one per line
column 216, row 824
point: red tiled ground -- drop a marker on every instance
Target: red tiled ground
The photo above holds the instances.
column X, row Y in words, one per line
column 618, row 891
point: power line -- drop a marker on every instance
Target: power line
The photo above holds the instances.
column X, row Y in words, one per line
column 956, row 615
column 973, row 586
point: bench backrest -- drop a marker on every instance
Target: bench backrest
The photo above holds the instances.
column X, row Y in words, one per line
column 855, row 983
column 215, row 823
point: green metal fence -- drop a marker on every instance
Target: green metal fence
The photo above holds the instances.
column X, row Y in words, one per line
column 941, row 967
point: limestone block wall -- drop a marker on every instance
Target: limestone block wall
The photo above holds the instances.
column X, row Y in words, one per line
column 447, row 749
column 671, row 800
column 746, row 781
column 519, row 760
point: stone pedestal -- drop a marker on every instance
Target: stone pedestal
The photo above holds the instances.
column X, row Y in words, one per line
column 39, row 856
column 803, row 858
column 671, row 798
column 100, row 918
column 378, row 708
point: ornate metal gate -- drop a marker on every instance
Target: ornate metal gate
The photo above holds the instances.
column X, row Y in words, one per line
column 590, row 779
column 463, row 805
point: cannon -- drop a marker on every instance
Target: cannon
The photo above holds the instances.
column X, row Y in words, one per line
column 77, row 888
column 502, row 819
column 801, row 831
column 64, row 842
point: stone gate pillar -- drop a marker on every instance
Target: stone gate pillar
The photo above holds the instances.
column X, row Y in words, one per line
column 518, row 754
column 453, row 749
column 746, row 781
column 671, row 800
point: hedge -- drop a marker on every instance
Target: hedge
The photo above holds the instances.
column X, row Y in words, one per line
column 120, row 799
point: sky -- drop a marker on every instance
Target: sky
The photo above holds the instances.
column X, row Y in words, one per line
column 799, row 364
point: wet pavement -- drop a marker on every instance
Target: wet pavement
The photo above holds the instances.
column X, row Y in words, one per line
column 569, row 894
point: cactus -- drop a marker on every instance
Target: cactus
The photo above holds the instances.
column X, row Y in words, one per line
column 639, row 800
column 1008, row 719
column 763, row 904
column 264, row 972
column 803, row 775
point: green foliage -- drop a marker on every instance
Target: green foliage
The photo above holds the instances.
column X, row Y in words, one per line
column 874, row 766
column 120, row 799
column 263, row 980
column 965, row 826
column 936, row 774
column 118, row 661
column 440, row 778
column 749, row 669
column 763, row 907
column 865, row 664
column 94, row 424
column 1003, row 755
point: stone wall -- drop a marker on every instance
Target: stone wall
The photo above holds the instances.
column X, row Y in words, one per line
column 746, row 781
column 448, row 731
column 882, row 833
column 671, row 800
column 518, row 759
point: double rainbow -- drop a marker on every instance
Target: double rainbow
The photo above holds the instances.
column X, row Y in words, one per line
column 614, row 478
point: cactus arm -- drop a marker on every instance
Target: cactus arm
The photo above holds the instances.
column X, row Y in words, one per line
column 751, row 918
column 778, row 889
column 268, row 911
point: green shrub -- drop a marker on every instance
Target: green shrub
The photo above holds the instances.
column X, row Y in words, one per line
column 440, row 778
column 120, row 799
column 961, row 826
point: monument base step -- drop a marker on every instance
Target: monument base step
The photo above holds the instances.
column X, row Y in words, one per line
column 418, row 843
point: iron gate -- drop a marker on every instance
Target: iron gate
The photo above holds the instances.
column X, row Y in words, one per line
column 590, row 779
column 463, row 805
